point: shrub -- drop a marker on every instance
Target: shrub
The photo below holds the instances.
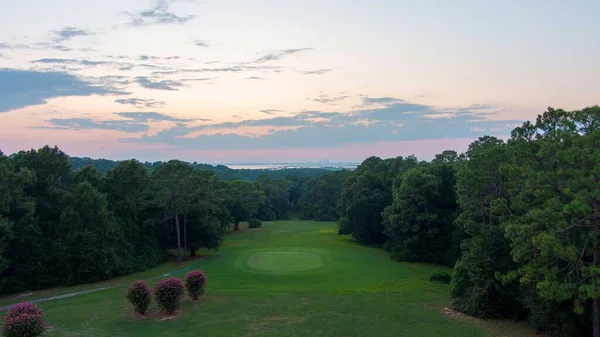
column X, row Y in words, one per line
column 254, row 223
column 168, row 294
column 441, row 277
column 195, row 283
column 24, row 320
column 139, row 295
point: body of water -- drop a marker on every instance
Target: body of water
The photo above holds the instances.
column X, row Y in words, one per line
column 276, row 166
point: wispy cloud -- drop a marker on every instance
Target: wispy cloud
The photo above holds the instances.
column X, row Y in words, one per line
column 201, row 43
column 367, row 101
column 316, row 72
column 14, row 46
column 254, row 78
column 270, row 111
column 68, row 33
column 144, row 117
column 147, row 83
column 91, row 124
column 168, row 58
column 21, row 88
column 327, row 99
column 138, row 102
column 70, row 61
column 159, row 14
column 231, row 69
column 278, row 54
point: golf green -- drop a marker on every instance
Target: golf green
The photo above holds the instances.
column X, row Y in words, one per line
column 284, row 261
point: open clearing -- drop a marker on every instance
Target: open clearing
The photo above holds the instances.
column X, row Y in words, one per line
column 289, row 278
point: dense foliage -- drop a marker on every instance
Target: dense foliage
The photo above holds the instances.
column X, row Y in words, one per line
column 23, row 320
column 139, row 295
column 195, row 284
column 96, row 226
column 254, row 223
column 366, row 194
column 319, row 196
column 519, row 221
column 168, row 293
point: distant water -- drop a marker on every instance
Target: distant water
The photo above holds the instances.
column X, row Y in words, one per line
column 330, row 166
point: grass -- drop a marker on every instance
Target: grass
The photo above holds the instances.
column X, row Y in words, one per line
column 288, row 278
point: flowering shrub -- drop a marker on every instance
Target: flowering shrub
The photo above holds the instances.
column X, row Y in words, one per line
column 139, row 295
column 24, row 320
column 168, row 294
column 195, row 283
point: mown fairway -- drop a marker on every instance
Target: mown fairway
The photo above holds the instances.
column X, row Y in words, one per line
column 289, row 278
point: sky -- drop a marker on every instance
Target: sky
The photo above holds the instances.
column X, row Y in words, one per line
column 230, row 81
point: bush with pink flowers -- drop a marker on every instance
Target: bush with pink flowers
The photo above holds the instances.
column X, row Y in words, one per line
column 139, row 295
column 24, row 320
column 168, row 293
column 195, row 283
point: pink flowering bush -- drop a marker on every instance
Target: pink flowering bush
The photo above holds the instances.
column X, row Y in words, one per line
column 24, row 320
column 195, row 283
column 168, row 294
column 139, row 295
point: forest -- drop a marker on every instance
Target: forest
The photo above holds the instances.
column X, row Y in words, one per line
column 517, row 220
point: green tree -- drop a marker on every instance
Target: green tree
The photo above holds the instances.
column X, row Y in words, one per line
column 208, row 218
column 94, row 245
column 320, row 195
column 89, row 174
column 483, row 199
column 365, row 196
column 130, row 199
column 554, row 230
column 419, row 223
column 174, row 193
column 243, row 200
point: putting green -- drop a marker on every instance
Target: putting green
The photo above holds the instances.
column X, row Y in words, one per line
column 284, row 261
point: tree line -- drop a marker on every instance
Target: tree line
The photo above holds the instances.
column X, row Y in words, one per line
column 517, row 220
column 222, row 171
column 60, row 226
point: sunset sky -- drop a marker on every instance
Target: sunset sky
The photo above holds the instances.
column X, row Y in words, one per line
column 222, row 81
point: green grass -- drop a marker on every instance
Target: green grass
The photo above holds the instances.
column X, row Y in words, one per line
column 288, row 278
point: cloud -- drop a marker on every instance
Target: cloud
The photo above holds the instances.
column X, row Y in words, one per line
column 138, row 102
column 157, row 85
column 14, row 46
column 168, row 58
column 157, row 15
column 61, row 48
column 92, row 63
column 391, row 119
column 68, row 33
column 270, row 111
column 22, row 88
column 278, row 54
column 88, row 63
column 326, row 99
column 53, row 60
column 316, row 72
column 254, row 78
column 91, row 124
column 201, row 43
column 380, row 100
column 144, row 117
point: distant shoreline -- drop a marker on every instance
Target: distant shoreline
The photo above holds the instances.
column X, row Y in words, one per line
column 280, row 166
